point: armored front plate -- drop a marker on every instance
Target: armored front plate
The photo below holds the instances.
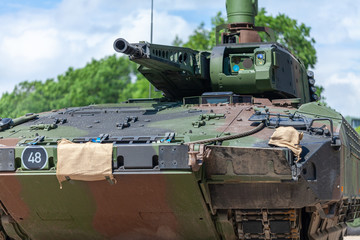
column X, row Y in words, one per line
column 139, row 156
column 173, row 157
column 7, row 159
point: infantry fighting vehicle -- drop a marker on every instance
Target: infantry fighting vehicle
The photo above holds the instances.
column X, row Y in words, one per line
column 238, row 148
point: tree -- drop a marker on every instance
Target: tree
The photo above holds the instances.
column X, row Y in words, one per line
column 107, row 80
column 139, row 89
column 358, row 130
column 100, row 81
column 200, row 39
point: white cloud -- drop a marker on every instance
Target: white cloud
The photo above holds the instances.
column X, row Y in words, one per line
column 349, row 78
column 352, row 24
column 337, row 21
column 337, row 71
column 334, row 59
column 342, row 93
column 331, row 21
column 32, row 45
column 40, row 44
column 137, row 27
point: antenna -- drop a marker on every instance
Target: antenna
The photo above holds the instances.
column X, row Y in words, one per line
column 152, row 17
column 151, row 35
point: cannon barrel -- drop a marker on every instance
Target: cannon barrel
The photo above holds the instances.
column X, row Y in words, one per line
column 123, row 46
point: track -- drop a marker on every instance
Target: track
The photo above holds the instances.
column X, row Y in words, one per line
column 290, row 224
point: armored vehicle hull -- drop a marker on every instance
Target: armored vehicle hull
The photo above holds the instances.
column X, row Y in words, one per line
column 245, row 188
column 238, row 148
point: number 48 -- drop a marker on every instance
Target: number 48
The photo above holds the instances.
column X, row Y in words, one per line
column 36, row 158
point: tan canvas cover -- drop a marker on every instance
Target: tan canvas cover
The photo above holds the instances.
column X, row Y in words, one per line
column 287, row 137
column 86, row 161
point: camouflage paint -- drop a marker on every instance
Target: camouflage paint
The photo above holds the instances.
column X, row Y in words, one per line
column 66, row 213
column 145, row 206
column 239, row 174
column 22, row 131
column 197, row 133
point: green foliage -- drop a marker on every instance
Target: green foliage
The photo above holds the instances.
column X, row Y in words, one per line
column 139, row 89
column 358, row 130
column 102, row 81
column 200, row 39
column 319, row 92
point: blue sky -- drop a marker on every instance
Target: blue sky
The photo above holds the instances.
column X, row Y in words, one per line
column 9, row 6
column 40, row 39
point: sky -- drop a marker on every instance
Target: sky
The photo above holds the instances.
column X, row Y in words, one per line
column 41, row 39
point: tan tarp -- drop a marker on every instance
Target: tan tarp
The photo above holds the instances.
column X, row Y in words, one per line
column 85, row 161
column 287, row 137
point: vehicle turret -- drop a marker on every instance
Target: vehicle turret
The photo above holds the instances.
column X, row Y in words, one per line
column 240, row 62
